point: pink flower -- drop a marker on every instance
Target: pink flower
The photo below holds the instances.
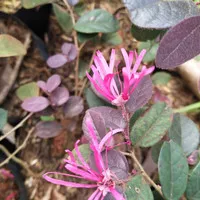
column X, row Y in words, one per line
column 103, row 178
column 107, row 82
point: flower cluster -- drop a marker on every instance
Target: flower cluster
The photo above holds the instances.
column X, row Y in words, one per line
column 98, row 171
column 106, row 78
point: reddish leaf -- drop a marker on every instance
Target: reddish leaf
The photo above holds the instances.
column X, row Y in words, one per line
column 180, row 43
column 35, row 104
column 116, row 162
column 112, row 117
column 48, row 129
column 74, row 106
column 98, row 124
column 59, row 96
column 53, row 82
column 57, row 60
column 141, row 95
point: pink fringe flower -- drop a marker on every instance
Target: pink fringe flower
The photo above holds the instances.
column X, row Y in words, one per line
column 111, row 87
column 103, row 179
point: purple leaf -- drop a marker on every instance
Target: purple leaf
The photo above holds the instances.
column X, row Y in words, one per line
column 48, row 129
column 42, row 85
column 112, row 117
column 72, row 2
column 116, row 162
column 35, row 104
column 59, row 96
column 53, row 82
column 109, row 196
column 57, row 60
column 69, row 50
column 98, row 124
column 73, row 107
column 180, row 43
column 141, row 95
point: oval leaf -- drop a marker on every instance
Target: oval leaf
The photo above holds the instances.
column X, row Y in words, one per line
column 141, row 95
column 35, row 104
column 28, row 90
column 63, row 17
column 48, row 129
column 56, row 61
column 112, row 117
column 3, row 117
column 161, row 78
column 185, row 133
column 180, row 43
column 115, row 161
column 59, row 96
column 69, row 50
column 160, row 14
column 73, row 107
column 152, row 126
column 10, row 46
column 42, row 85
column 193, row 186
column 173, row 170
column 53, row 82
column 138, row 189
column 98, row 124
column 96, row 21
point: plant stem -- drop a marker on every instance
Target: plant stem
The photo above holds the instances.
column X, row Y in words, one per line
column 16, row 127
column 189, row 108
column 145, row 175
column 76, row 44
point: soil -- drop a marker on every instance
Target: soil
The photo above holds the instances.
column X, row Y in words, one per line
column 42, row 155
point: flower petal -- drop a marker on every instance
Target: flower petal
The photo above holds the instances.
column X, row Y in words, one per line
column 66, row 183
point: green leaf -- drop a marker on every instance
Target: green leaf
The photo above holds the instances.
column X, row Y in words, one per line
column 84, row 37
column 112, row 38
column 155, row 151
column 173, row 170
column 83, row 67
column 136, row 116
column 138, row 189
column 47, row 118
column 193, row 186
column 161, row 78
column 151, row 47
column 93, row 100
column 80, row 8
column 96, row 21
column 151, row 126
column 10, row 46
column 63, row 17
column 197, row 58
column 185, row 133
column 85, row 151
column 28, row 90
column 3, row 117
column 34, row 3
column 142, row 34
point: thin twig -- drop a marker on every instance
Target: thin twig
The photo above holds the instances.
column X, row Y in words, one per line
column 18, row 149
column 76, row 44
column 20, row 162
column 145, row 175
column 16, row 127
